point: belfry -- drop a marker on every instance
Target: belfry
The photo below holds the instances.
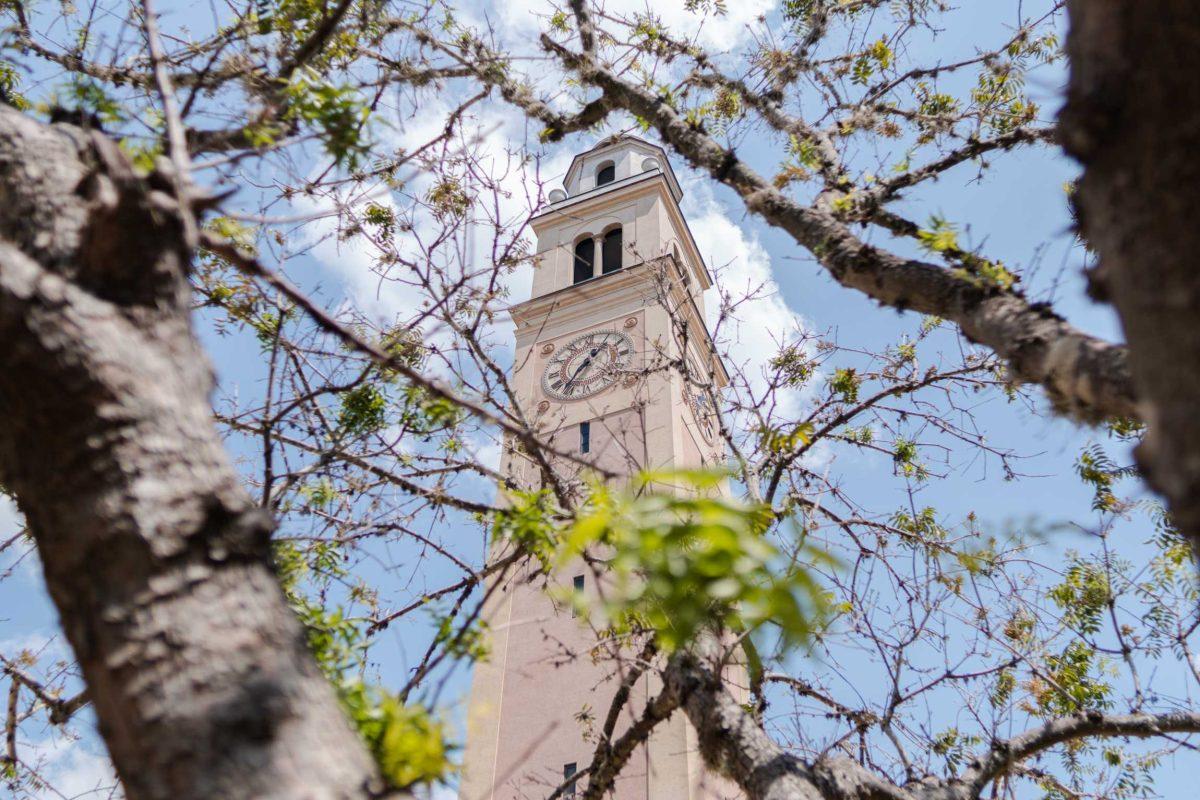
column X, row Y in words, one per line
column 614, row 362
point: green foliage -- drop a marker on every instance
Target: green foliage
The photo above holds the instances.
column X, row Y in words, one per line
column 954, row 747
column 984, row 272
column 405, row 346
column 1126, row 428
column 560, row 22
column 1044, row 48
column 923, row 526
column 338, row 112
column 363, row 410
column 716, row 7
column 320, row 494
column 409, row 746
column 934, row 106
column 1095, row 468
column 10, row 82
column 939, row 237
column 1020, row 628
column 1083, row 595
column 727, row 104
column 799, row 11
column 267, row 326
column 864, row 434
column 794, row 365
column 1002, row 104
column 296, row 21
column 777, row 440
column 88, row 95
column 144, row 155
column 234, row 231
column 876, row 57
column 845, row 382
column 1002, row 691
column 930, row 323
column 1171, row 568
column 470, row 642
column 648, row 32
column 1074, row 684
column 382, row 218
column 448, row 199
column 528, row 522
column 905, row 457
column 425, row 413
column 684, row 562
column 804, row 151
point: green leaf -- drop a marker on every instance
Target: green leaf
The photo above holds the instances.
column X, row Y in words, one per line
column 693, row 559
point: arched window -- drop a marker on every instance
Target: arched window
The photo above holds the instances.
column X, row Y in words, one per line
column 606, row 174
column 611, row 251
column 585, row 257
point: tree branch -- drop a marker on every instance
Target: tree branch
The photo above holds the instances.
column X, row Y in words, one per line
column 61, row 709
column 1083, row 375
column 1005, row 754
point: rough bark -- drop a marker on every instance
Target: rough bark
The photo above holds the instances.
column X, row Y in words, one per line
column 732, row 742
column 1133, row 120
column 153, row 553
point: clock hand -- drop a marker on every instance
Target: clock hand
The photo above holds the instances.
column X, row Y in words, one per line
column 581, row 367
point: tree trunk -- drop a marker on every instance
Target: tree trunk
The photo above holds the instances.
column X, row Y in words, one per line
column 1133, row 120
column 155, row 556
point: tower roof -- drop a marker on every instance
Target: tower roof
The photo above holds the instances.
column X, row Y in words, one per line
column 622, row 141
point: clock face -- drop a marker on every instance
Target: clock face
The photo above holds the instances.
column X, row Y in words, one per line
column 587, row 364
column 703, row 412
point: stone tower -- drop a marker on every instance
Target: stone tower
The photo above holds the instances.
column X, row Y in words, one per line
column 617, row 305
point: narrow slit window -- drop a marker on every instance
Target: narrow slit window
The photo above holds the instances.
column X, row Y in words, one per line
column 585, row 257
column 611, row 251
column 569, row 771
column 585, row 437
column 578, row 591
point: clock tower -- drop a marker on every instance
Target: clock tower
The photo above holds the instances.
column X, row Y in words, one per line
column 613, row 361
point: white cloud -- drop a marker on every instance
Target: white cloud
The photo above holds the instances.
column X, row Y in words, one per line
column 718, row 31
column 489, row 135
column 74, row 768
column 487, row 451
column 353, row 261
column 742, row 268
